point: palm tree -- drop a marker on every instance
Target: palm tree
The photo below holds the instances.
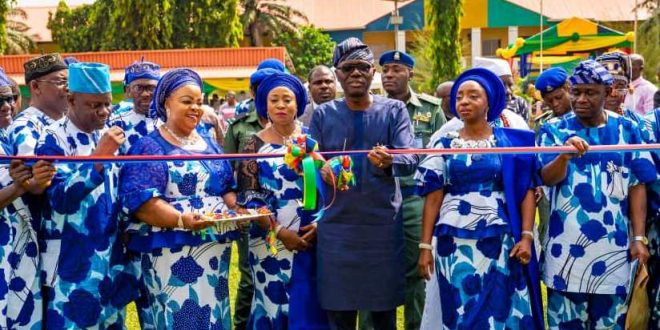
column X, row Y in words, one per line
column 267, row 19
column 18, row 42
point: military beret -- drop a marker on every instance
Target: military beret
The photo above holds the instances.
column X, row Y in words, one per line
column 395, row 56
column 550, row 80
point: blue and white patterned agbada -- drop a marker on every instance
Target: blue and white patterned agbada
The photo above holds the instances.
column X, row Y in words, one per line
column 24, row 214
column 88, row 283
column 185, row 274
column 25, row 130
column 20, row 288
column 6, row 239
column 480, row 287
column 586, row 249
column 134, row 124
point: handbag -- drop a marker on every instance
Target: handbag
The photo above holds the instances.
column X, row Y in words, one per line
column 638, row 309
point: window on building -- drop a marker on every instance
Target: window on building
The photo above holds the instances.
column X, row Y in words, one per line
column 489, row 47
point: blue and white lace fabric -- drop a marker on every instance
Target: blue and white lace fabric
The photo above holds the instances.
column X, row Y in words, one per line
column 185, row 274
column 24, row 297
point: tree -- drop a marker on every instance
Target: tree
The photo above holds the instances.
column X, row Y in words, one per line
column 217, row 24
column 4, row 10
column 422, row 80
column 649, row 39
column 79, row 29
column 443, row 22
column 307, row 49
column 18, row 42
column 139, row 24
column 268, row 19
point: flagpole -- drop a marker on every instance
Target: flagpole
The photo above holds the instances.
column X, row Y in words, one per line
column 541, row 24
column 635, row 29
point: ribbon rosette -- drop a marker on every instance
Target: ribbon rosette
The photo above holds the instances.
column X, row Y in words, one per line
column 342, row 167
column 303, row 157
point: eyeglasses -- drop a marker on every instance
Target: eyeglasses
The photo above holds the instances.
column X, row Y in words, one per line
column 139, row 89
column 9, row 99
column 621, row 91
column 363, row 68
column 56, row 83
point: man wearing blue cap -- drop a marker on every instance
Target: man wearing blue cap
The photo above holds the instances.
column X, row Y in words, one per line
column 360, row 240
column 140, row 81
column 595, row 199
column 427, row 117
column 83, row 261
column 240, row 129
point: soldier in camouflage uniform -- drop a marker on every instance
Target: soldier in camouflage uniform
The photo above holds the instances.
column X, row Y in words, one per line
column 427, row 117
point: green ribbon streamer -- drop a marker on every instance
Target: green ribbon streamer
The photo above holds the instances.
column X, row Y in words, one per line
column 309, row 183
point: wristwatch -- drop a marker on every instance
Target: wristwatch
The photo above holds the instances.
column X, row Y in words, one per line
column 642, row 239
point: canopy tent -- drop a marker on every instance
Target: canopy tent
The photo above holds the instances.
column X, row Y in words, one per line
column 569, row 36
column 565, row 43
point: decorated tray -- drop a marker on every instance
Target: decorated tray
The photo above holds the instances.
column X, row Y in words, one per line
column 230, row 215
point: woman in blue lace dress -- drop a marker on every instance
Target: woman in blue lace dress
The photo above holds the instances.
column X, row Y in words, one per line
column 184, row 262
column 481, row 216
column 285, row 294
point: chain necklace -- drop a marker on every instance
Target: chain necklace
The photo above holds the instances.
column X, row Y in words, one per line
column 285, row 139
column 183, row 140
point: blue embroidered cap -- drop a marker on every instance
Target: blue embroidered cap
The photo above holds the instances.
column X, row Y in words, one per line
column 280, row 79
column 89, row 78
column 490, row 82
column 141, row 70
column 395, row 56
column 550, row 80
column 591, row 72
